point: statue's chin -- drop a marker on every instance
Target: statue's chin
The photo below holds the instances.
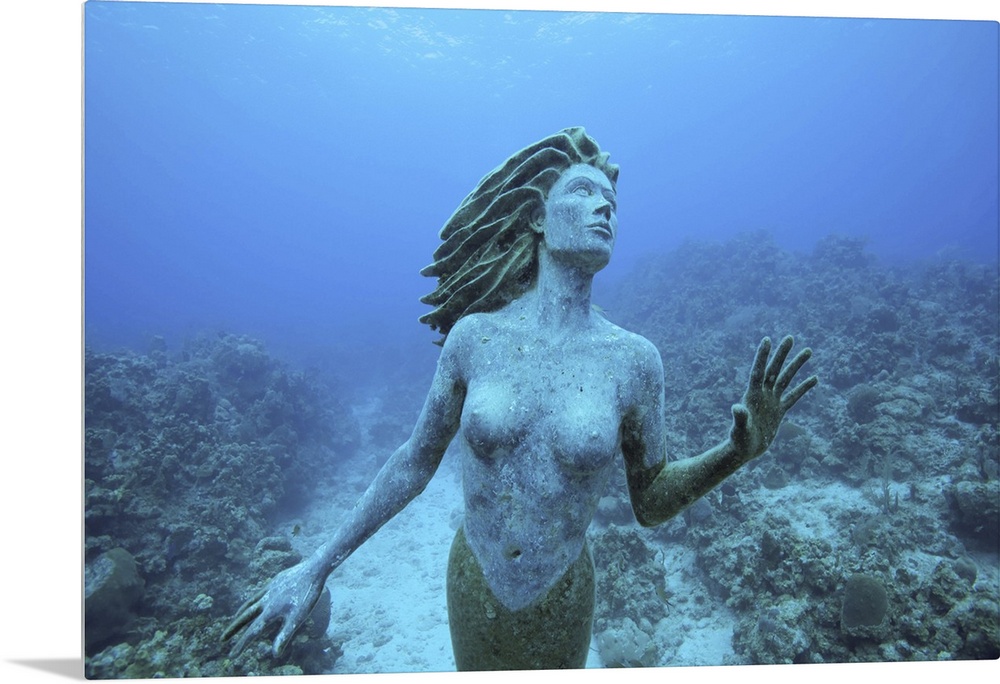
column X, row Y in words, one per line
column 596, row 260
column 590, row 260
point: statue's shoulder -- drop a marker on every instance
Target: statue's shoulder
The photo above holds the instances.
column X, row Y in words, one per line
column 472, row 329
column 472, row 325
column 626, row 338
column 634, row 349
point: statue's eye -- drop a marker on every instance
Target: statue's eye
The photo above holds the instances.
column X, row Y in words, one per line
column 583, row 190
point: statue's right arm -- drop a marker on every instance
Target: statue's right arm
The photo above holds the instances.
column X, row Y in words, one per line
column 411, row 466
column 291, row 595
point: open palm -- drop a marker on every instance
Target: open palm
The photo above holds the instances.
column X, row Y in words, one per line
column 767, row 398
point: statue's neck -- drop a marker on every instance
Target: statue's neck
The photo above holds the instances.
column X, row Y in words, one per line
column 561, row 296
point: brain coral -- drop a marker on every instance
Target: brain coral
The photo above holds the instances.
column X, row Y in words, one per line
column 865, row 602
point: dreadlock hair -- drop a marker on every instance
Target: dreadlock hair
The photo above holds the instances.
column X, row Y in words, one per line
column 488, row 255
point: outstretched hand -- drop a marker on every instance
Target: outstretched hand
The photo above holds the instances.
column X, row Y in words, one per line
column 757, row 417
column 287, row 599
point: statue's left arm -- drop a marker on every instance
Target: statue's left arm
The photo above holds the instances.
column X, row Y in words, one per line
column 659, row 488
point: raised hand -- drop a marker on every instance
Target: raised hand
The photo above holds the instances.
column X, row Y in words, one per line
column 757, row 417
column 287, row 599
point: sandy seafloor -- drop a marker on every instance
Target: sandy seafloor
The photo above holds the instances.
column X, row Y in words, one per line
column 389, row 607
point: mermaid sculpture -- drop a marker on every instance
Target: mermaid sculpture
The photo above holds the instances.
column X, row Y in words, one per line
column 543, row 393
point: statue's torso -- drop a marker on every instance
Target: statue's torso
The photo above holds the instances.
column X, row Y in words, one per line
column 540, row 430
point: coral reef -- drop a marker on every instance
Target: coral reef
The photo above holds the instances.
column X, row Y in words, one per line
column 189, row 463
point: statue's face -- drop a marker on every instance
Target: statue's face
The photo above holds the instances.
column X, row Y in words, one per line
column 580, row 218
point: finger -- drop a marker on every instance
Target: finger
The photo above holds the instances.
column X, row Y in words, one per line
column 739, row 435
column 760, row 362
column 241, row 621
column 785, row 379
column 284, row 636
column 291, row 625
column 242, row 642
column 258, row 595
column 774, row 367
column 252, row 631
column 247, row 612
column 789, row 400
column 741, row 416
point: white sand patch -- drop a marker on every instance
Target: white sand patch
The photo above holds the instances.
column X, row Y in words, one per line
column 698, row 629
column 812, row 510
column 709, row 642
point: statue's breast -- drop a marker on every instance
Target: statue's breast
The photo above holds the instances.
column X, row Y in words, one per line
column 573, row 421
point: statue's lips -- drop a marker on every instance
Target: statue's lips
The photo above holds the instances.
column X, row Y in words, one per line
column 602, row 227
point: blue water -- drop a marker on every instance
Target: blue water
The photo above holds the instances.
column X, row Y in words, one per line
column 283, row 171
